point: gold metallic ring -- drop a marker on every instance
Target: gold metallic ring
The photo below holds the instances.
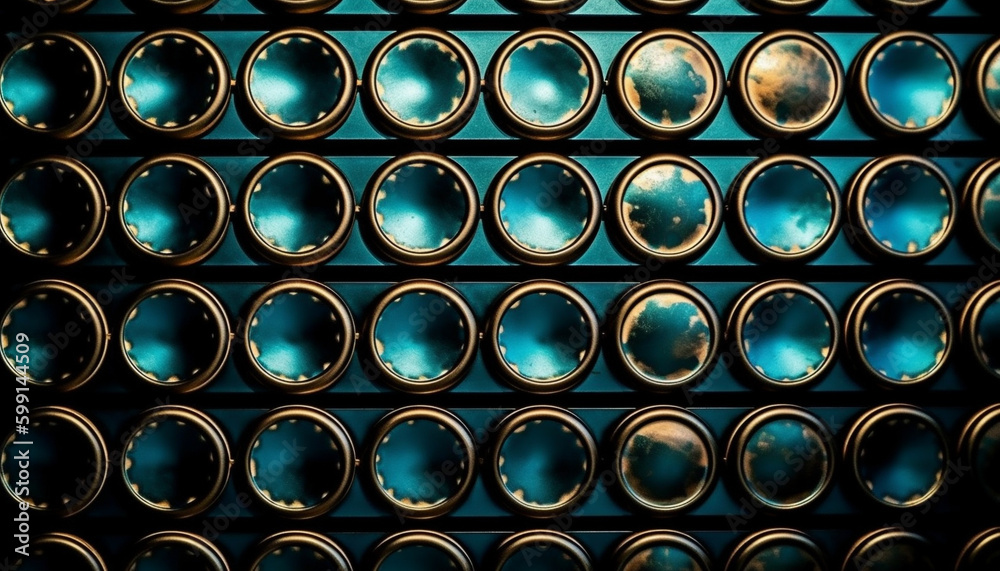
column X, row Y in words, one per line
column 902, row 7
column 184, row 7
column 744, row 556
column 982, row 430
column 209, row 556
column 981, row 203
column 636, row 547
column 393, row 547
column 548, row 545
column 978, row 328
column 916, row 552
column 56, row 7
column 980, row 551
column 86, row 557
column 983, row 76
column 783, row 7
column 321, row 547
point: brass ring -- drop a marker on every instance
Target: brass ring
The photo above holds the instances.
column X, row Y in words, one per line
column 134, row 123
column 83, row 552
column 94, row 93
column 498, row 97
column 447, row 122
column 451, row 305
column 554, row 541
column 971, row 328
column 803, row 118
column 984, row 71
column 875, row 542
column 60, row 6
column 982, row 426
column 637, row 545
column 903, row 8
column 334, row 365
column 398, row 171
column 982, row 191
column 515, row 424
column 571, row 179
column 215, row 201
column 72, row 501
column 209, row 432
column 339, row 442
column 322, row 547
column 86, row 308
column 660, row 174
column 702, row 346
column 659, row 60
column 578, row 336
column 206, row 551
column 460, row 464
column 312, row 253
column 217, row 325
column 983, row 547
column 425, row 539
column 757, row 543
column 179, row 7
column 875, row 117
column 810, row 172
column 257, row 117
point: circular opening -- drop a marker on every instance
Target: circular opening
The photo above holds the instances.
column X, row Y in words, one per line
column 779, row 551
column 783, row 7
column 423, row 207
column 661, row 551
column 546, row 82
column 423, row 461
column 985, row 331
column 552, row 551
column 299, row 551
column 787, row 336
column 420, row 551
column 299, row 209
column 911, row 83
column 668, row 208
column 670, row 82
column 175, row 336
column 311, row 478
column 890, row 550
column 906, row 208
column 176, row 461
column 300, row 336
column 904, row 335
column 784, row 458
column 175, row 207
column 422, row 81
column 53, row 209
column 299, row 79
column 980, row 448
column 67, row 458
column 983, row 194
column 899, row 457
column 172, row 81
column 991, row 84
column 666, row 461
column 176, row 550
column 791, row 83
column 56, row 551
column 667, row 335
column 982, row 553
column 53, row 83
column 789, row 209
column 544, row 462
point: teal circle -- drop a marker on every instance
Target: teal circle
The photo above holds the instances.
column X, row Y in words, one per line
column 904, row 336
column 668, row 208
column 665, row 464
column 296, row 81
column 541, row 336
column 296, row 207
column 669, row 83
column 788, row 209
column 543, row 463
column 545, row 82
column 170, row 82
column 47, row 83
column 787, row 337
column 907, row 208
column 911, row 84
column 991, row 85
column 421, row 207
column 786, row 462
column 544, row 207
column 986, row 334
column 421, row 464
column 901, row 460
column 421, row 336
column 421, row 81
column 666, row 338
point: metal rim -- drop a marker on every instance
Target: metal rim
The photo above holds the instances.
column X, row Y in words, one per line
column 521, row 417
column 333, row 120
column 783, row 7
column 395, row 252
column 495, row 354
column 318, row 255
column 94, row 317
column 904, row 7
column 854, row 324
column 212, row 433
column 493, row 222
column 64, row 6
column 972, row 199
column 871, row 540
column 663, row 7
column 745, row 304
column 758, row 541
column 99, row 205
column 169, row 6
column 441, row 129
column 629, row 426
column 969, row 323
column 972, row 433
column 291, row 539
column 870, row 419
column 423, row 7
column 615, row 216
column 980, row 542
column 420, row 538
column 295, row 6
column 219, row 195
column 336, row 367
column 531, row 539
column 544, row 7
column 81, row 547
column 130, row 120
column 211, row 554
column 336, row 431
column 978, row 70
column 98, row 87
column 753, row 421
column 861, row 102
column 443, row 418
column 629, row 118
column 213, row 308
column 737, row 198
column 638, row 542
column 509, row 121
column 628, row 301
column 739, row 75
column 89, row 430
column 466, row 359
column 856, row 191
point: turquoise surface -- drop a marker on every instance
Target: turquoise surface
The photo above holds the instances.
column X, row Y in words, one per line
column 45, row 83
column 907, row 208
column 669, row 83
column 666, row 338
column 668, row 209
column 170, row 82
column 911, row 84
column 295, row 463
column 296, row 81
column 545, row 82
column 787, row 337
column 788, row 209
column 542, row 336
column 170, row 337
column 170, row 208
column 420, row 207
column 786, row 462
column 421, row 336
column 543, row 464
column 295, row 336
column 47, row 210
column 901, row 460
column 544, row 207
column 421, row 81
column 904, row 336
column 420, row 464
column 170, row 463
column 665, row 463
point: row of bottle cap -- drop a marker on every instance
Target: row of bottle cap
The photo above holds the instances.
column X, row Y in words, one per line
column 421, row 209
column 886, row 549
column 422, row 462
column 541, row 84
column 540, row 336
